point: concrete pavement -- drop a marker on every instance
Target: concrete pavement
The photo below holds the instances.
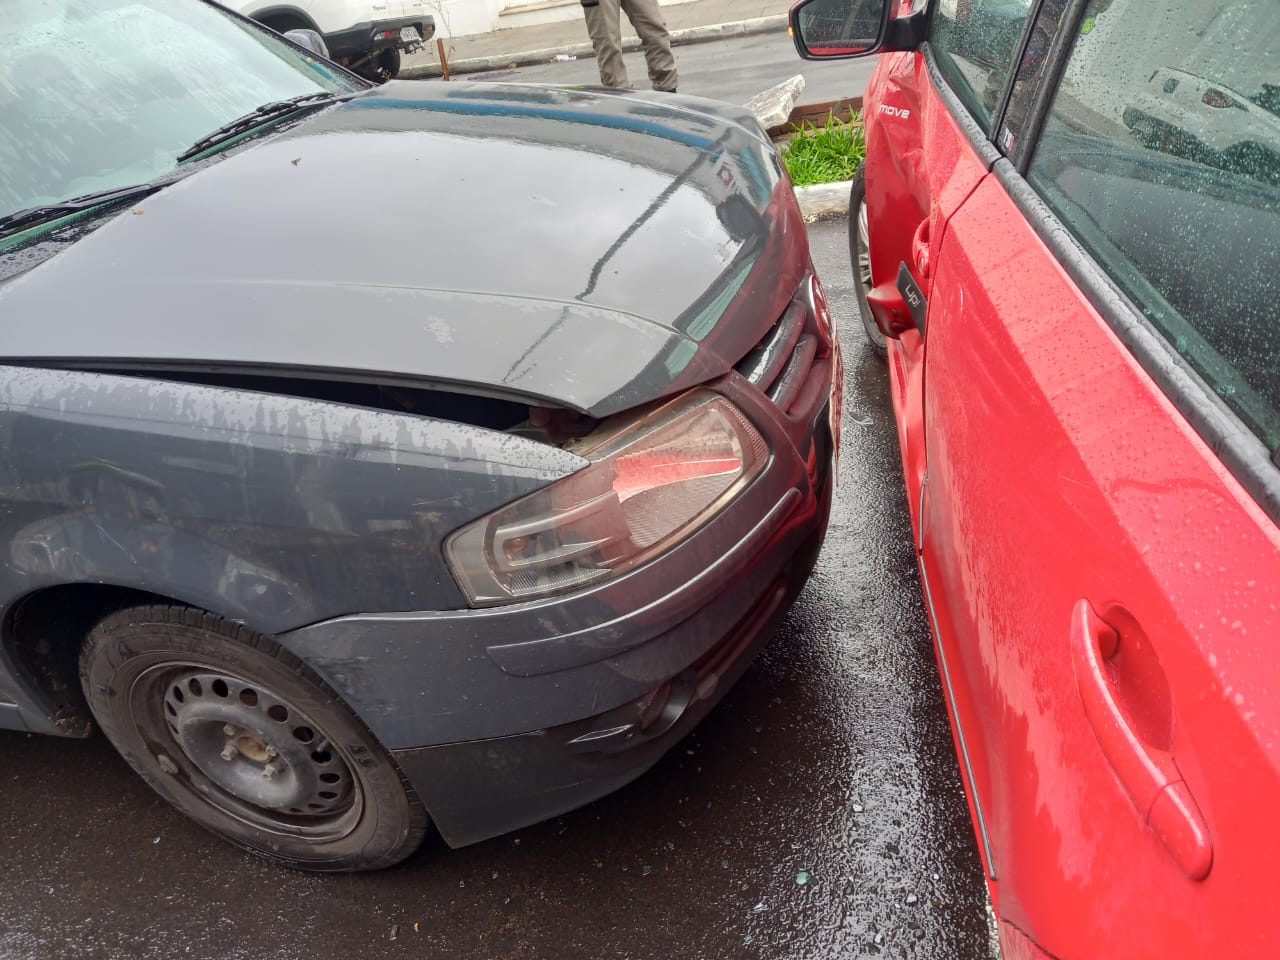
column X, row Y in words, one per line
column 693, row 22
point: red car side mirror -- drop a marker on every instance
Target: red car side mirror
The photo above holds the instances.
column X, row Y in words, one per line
column 841, row 29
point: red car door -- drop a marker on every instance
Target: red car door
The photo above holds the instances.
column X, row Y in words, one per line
column 1100, row 554
column 926, row 152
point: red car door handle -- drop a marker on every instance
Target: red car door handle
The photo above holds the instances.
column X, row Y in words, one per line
column 1147, row 772
column 920, row 251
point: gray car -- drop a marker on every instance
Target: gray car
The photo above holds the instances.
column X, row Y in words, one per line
column 461, row 512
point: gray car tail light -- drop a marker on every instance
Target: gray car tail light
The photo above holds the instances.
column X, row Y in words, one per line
column 650, row 484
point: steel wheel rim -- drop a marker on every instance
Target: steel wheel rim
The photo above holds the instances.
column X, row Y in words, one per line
column 864, row 248
column 251, row 754
column 862, row 261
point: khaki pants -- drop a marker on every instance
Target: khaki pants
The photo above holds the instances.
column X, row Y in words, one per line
column 604, row 24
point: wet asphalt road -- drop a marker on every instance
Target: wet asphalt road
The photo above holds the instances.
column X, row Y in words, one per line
column 832, row 756
column 734, row 70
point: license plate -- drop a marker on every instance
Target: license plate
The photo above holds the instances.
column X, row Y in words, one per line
column 410, row 35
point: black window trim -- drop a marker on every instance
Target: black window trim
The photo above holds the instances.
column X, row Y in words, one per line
column 1227, row 437
column 981, row 143
column 1047, row 86
column 1006, row 95
column 984, row 144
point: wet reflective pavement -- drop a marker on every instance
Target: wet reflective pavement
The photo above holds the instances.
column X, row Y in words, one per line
column 733, row 69
column 817, row 813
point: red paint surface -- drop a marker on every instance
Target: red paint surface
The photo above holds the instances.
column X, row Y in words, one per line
column 1105, row 595
column 909, row 199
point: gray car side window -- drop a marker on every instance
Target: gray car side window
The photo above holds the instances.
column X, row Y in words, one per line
column 1161, row 154
column 975, row 43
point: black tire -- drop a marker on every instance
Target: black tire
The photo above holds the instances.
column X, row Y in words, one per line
column 239, row 735
column 860, row 259
column 381, row 67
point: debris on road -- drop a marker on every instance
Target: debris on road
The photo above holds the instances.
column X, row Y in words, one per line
column 772, row 107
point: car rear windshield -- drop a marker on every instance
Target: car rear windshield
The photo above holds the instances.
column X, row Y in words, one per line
column 99, row 94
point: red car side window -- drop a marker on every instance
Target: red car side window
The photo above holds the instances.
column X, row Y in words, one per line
column 1161, row 154
column 975, row 43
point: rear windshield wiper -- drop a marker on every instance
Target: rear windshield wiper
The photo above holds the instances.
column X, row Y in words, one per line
column 276, row 108
column 33, row 216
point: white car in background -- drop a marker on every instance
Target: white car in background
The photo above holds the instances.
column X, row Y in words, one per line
column 1208, row 122
column 367, row 36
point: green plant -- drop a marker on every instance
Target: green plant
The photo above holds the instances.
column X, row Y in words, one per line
column 826, row 154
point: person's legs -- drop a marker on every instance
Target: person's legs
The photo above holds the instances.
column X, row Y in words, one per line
column 604, row 25
column 656, row 41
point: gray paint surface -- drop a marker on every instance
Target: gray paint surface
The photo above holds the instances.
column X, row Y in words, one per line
column 658, row 210
column 832, row 755
column 676, row 242
column 266, row 508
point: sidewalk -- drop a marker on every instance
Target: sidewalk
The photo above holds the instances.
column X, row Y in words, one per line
column 693, row 22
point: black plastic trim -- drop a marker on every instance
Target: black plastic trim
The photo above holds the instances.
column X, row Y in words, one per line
column 906, row 33
column 911, row 295
column 1239, row 449
column 768, row 358
column 359, row 38
column 1006, row 95
column 1047, row 87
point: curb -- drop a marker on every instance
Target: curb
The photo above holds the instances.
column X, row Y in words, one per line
column 715, row 31
column 824, row 200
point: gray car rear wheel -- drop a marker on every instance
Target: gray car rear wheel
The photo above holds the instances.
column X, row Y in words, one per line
column 237, row 734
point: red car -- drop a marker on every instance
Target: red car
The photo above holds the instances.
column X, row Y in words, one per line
column 1083, row 340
